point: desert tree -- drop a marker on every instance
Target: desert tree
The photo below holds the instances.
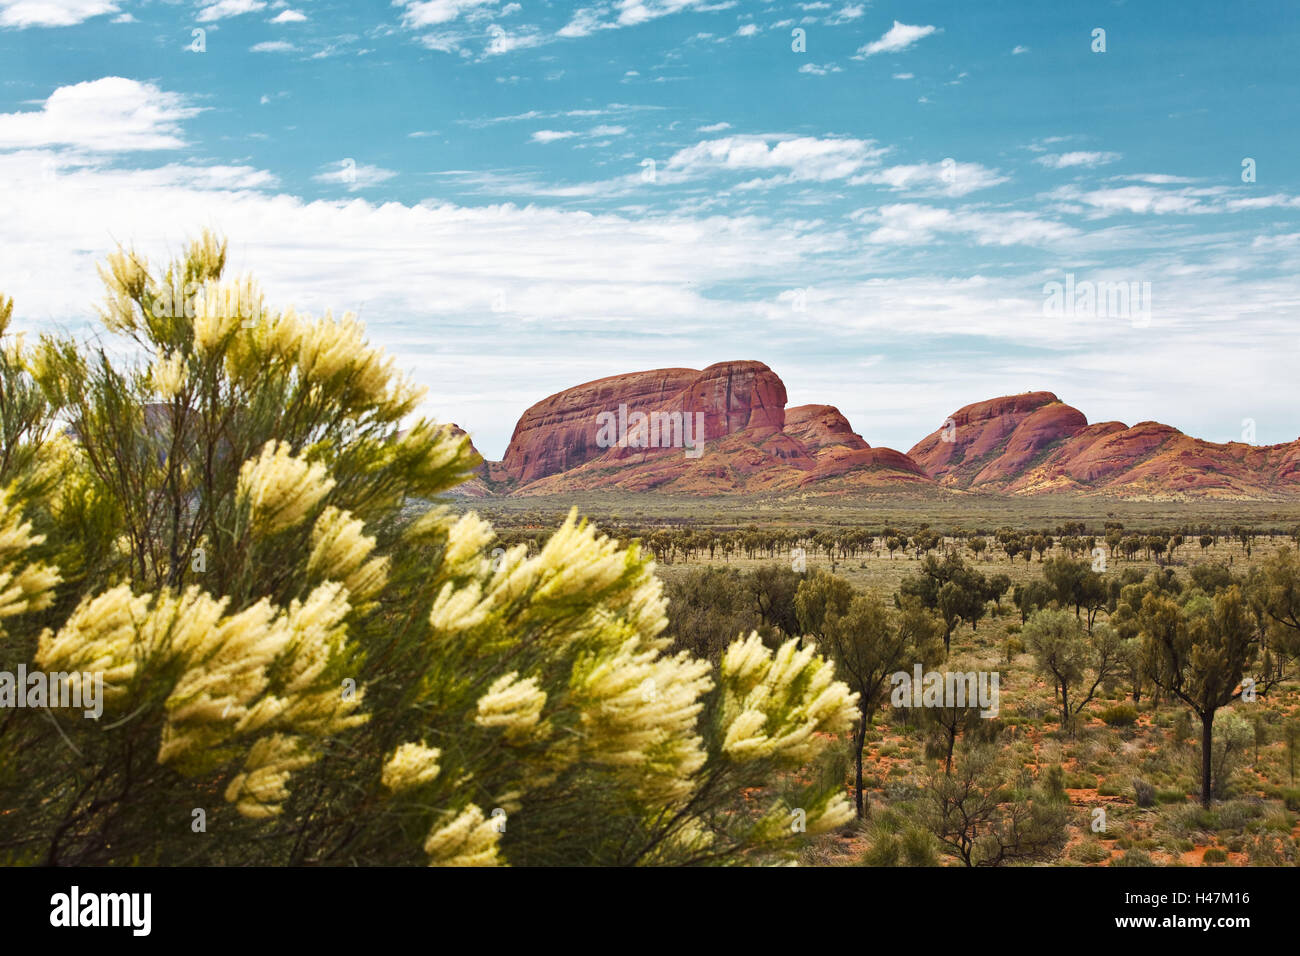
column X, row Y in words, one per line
column 1199, row 655
column 1075, row 661
column 986, row 815
column 869, row 643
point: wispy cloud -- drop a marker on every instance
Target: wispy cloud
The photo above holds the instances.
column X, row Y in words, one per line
column 353, row 175
column 1088, row 160
column 229, row 8
column 896, row 39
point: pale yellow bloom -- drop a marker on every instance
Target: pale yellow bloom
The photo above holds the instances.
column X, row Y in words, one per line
column 260, row 790
column 339, row 553
column 222, row 308
column 410, row 766
column 168, row 375
column 100, row 635
column 639, row 712
column 280, row 488
column 328, row 348
column 512, row 704
column 775, row 704
column 466, row 840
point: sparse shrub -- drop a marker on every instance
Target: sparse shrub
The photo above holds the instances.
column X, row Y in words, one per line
column 1121, row 715
column 1054, row 784
column 1134, row 857
column 1144, row 794
column 1089, row 851
column 1215, row 855
column 1235, row 815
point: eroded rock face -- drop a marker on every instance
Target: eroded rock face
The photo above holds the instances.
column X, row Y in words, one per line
column 1035, row 444
column 560, row 432
column 750, row 441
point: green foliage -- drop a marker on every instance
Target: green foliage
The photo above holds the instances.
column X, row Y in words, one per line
column 298, row 639
column 1121, row 715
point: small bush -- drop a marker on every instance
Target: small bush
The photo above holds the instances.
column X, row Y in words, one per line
column 1121, row 715
column 1215, row 855
column 1088, row 852
column 1133, row 858
column 1144, row 795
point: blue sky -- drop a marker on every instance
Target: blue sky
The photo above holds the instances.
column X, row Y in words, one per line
column 521, row 196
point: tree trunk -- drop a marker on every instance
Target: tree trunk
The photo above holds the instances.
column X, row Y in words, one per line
column 860, row 740
column 1207, row 751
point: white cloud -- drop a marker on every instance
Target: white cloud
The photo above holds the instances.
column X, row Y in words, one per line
column 229, row 8
column 426, row 13
column 1077, row 158
column 897, row 38
column 802, row 157
column 552, row 135
column 289, row 16
column 848, row 13
column 913, row 224
column 585, row 22
column 949, row 178
column 747, row 30
column 502, row 42
column 1140, row 200
column 52, row 13
column 112, row 114
column 818, row 70
column 713, row 128
column 353, row 175
column 272, row 46
column 904, row 76
column 1017, row 50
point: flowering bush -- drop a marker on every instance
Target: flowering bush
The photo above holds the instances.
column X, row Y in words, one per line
column 308, row 658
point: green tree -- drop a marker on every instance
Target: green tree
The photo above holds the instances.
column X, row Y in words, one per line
column 957, row 592
column 868, row 644
column 1072, row 659
column 1201, row 658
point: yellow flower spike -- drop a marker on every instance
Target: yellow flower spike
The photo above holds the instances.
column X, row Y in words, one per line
column 466, row 840
column 410, row 766
column 281, row 489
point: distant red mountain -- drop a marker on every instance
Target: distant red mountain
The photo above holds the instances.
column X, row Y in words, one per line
column 1036, row 444
column 641, row 432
